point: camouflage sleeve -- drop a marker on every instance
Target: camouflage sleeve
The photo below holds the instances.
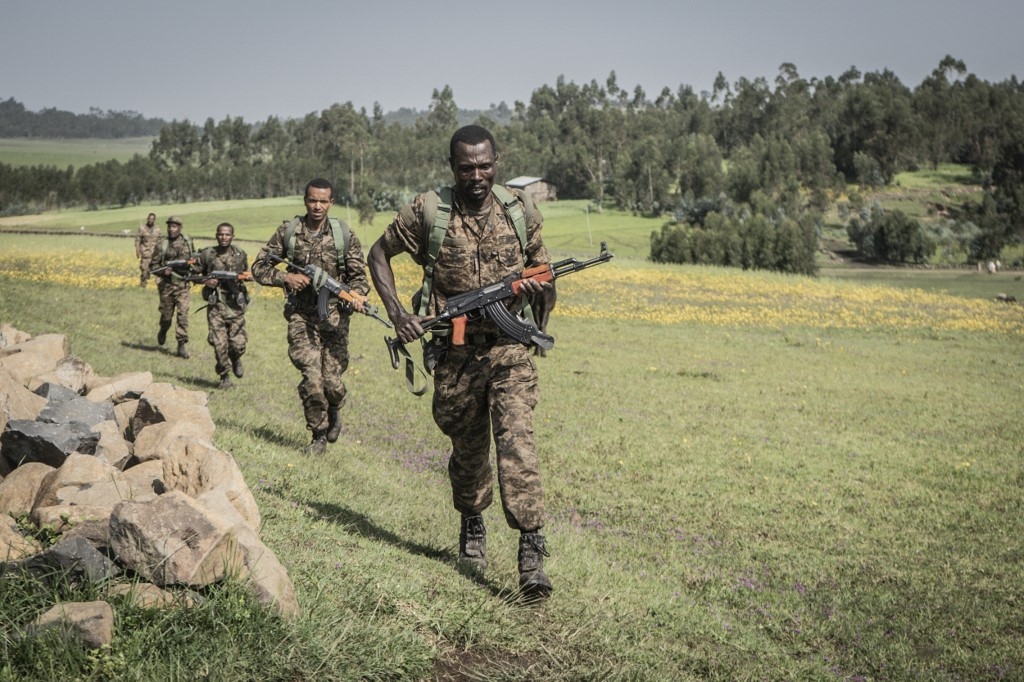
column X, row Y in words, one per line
column 355, row 266
column 157, row 259
column 264, row 271
column 243, row 260
column 405, row 233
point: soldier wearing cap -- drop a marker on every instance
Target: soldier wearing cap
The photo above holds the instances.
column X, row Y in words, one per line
column 175, row 292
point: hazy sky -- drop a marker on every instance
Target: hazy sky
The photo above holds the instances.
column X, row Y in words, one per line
column 191, row 59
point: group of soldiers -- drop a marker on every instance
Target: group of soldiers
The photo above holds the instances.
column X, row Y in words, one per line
column 485, row 388
column 173, row 261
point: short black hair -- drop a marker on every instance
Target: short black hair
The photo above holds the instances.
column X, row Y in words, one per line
column 319, row 183
column 471, row 135
column 226, row 225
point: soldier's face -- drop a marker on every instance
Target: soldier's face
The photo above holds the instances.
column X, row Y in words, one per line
column 318, row 201
column 150, row 219
column 173, row 230
column 474, row 167
column 224, row 236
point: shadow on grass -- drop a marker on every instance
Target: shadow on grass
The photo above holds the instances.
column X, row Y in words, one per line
column 149, row 347
column 355, row 522
column 263, row 432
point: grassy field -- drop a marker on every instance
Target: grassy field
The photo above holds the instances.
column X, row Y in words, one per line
column 748, row 476
column 31, row 151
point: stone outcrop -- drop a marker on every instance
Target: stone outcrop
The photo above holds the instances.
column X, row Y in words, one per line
column 124, row 471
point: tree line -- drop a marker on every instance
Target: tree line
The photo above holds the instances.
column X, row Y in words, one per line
column 742, row 174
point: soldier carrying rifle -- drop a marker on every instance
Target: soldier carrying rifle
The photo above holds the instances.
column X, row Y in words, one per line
column 170, row 264
column 224, row 269
column 487, row 382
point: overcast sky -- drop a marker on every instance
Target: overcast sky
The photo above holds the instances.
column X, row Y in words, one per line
column 194, row 59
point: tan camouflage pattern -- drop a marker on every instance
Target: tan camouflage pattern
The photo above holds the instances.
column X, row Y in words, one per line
column 319, row 350
column 480, row 390
column 146, row 241
column 225, row 318
column 175, row 294
column 489, row 390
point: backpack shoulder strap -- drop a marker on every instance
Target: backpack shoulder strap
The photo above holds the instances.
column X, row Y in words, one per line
column 189, row 244
column 437, row 210
column 342, row 235
column 289, row 236
column 519, row 213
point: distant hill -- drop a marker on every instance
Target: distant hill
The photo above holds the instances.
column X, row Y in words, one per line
column 17, row 121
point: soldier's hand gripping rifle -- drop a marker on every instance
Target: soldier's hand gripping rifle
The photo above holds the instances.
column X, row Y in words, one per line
column 328, row 286
column 491, row 301
column 182, row 267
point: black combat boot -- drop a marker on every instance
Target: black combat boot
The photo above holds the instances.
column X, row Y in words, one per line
column 534, row 583
column 236, row 367
column 225, row 382
column 318, row 445
column 183, row 349
column 333, row 425
column 473, row 542
column 161, row 336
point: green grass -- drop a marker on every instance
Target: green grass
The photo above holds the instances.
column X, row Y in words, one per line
column 724, row 503
column 569, row 227
column 31, row 151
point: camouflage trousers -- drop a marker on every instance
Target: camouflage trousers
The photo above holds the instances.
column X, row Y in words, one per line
column 175, row 296
column 144, row 259
column 479, row 390
column 226, row 334
column 320, row 351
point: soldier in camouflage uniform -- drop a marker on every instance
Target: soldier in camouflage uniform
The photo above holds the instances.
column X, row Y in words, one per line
column 317, row 348
column 146, row 240
column 175, row 292
column 489, row 385
column 226, row 301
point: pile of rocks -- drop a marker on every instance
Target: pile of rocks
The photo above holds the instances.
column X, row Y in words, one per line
column 123, row 472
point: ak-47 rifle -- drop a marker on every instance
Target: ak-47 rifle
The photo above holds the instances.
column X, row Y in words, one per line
column 179, row 267
column 491, row 301
column 328, row 286
column 221, row 275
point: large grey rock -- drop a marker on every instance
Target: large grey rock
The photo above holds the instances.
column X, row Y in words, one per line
column 91, row 623
column 73, row 559
column 173, row 539
column 54, row 393
column 30, row 441
column 77, row 410
column 19, row 489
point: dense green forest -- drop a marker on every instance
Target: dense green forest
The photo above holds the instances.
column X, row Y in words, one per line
column 742, row 174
